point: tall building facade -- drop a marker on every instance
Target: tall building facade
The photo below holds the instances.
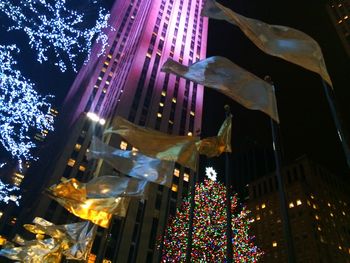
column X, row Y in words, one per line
column 318, row 209
column 127, row 82
column 339, row 12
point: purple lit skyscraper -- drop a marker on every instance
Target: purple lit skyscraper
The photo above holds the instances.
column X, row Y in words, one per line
column 127, row 82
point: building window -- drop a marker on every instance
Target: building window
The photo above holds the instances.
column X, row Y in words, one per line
column 291, row 205
column 299, row 202
column 82, row 168
column 77, row 147
column 123, row 145
column 274, row 244
column 176, row 172
column 71, row 162
column 263, row 206
column 186, row 177
column 174, row 188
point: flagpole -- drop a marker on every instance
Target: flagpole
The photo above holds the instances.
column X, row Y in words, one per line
column 229, row 251
column 191, row 216
column 281, row 185
column 332, row 105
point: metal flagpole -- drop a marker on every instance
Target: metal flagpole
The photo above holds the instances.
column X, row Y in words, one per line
column 229, row 251
column 332, row 105
column 281, row 188
column 191, row 216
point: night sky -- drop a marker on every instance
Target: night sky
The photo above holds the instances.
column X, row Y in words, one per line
column 306, row 123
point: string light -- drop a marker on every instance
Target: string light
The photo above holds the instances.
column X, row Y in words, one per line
column 209, row 229
column 5, row 193
column 51, row 26
column 22, row 109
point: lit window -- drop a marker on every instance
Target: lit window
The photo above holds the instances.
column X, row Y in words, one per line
column 314, row 206
column 2, row 240
column 174, row 188
column 319, row 228
column 271, row 212
column 103, row 70
column 106, row 261
column 279, row 221
column 346, row 17
column 77, row 147
column 343, row 213
column 71, row 162
column 110, row 74
column 106, row 63
column 340, row 21
column 299, row 202
column 291, row 205
column 263, row 206
column 274, row 244
column 159, row 115
column 1, row 213
column 99, row 78
column 161, row 104
column 109, row 55
column 171, row 122
column 340, row 248
column 189, row 134
column 104, row 90
column 174, row 100
column 349, row 250
column 308, row 203
column 257, row 207
column 186, row 177
column 123, row 145
column 331, row 214
column 163, row 93
column 312, row 197
column 107, row 82
column 258, row 217
column 82, row 168
column 329, row 204
column 148, row 55
column 177, row 172
column 92, row 258
column 316, row 217
column 192, row 113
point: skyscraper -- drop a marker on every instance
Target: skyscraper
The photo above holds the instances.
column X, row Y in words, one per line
column 126, row 81
column 318, row 208
column 339, row 12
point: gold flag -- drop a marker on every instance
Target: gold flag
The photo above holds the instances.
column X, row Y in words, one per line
column 132, row 163
column 36, row 251
column 284, row 42
column 76, row 239
column 221, row 74
column 214, row 146
column 97, row 210
column 181, row 149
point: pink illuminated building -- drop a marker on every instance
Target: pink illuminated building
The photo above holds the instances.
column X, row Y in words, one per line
column 127, row 81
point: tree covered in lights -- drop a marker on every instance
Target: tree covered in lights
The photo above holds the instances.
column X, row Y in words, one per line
column 53, row 27
column 209, row 231
column 7, row 193
column 22, row 109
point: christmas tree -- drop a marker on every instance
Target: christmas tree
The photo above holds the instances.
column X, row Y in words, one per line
column 209, row 231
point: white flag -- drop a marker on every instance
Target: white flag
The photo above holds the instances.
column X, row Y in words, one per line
column 226, row 77
column 280, row 41
column 133, row 163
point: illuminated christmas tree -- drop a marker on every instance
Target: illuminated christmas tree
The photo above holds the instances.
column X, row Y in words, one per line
column 209, row 231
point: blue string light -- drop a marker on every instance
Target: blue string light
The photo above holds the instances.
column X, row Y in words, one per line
column 22, row 109
column 51, row 26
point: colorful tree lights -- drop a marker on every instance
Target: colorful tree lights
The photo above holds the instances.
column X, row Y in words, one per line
column 51, row 26
column 209, row 235
column 22, row 109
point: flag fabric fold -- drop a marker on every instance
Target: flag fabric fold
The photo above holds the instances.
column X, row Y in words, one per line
column 221, row 74
column 74, row 197
column 132, row 163
column 215, row 146
column 284, row 42
column 180, row 149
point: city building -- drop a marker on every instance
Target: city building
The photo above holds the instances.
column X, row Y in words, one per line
column 127, row 82
column 319, row 212
column 339, row 12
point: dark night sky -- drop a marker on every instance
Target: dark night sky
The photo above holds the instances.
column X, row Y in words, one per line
column 306, row 124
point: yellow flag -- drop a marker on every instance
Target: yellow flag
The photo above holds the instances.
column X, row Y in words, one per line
column 223, row 75
column 181, row 149
column 284, row 42
column 214, row 146
column 72, row 195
